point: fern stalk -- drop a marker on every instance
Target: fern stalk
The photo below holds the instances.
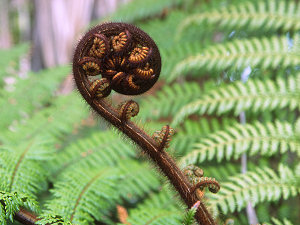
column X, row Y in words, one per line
column 120, row 118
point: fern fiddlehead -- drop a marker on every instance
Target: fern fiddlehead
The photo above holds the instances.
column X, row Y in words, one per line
column 123, row 58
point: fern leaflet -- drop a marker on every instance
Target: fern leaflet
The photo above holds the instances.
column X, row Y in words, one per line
column 255, row 95
column 266, row 139
column 257, row 186
column 265, row 53
column 267, row 15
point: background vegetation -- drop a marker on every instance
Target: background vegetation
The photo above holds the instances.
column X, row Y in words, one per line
column 230, row 86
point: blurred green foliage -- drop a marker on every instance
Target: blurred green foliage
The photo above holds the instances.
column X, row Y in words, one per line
column 222, row 60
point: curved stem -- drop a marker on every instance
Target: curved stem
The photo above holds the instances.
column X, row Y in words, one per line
column 161, row 158
column 25, row 217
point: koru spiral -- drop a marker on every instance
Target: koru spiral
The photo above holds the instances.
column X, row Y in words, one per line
column 119, row 57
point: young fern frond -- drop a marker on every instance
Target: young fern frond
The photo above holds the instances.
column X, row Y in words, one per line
column 266, row 139
column 258, row 186
column 265, row 53
column 10, row 203
column 255, row 15
column 254, row 95
column 19, row 166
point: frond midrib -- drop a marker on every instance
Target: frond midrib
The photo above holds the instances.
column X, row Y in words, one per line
column 85, row 188
column 242, row 139
column 22, row 156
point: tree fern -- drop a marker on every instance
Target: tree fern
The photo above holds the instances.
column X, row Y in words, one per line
column 265, row 53
column 255, row 95
column 266, row 139
column 257, row 186
column 253, row 15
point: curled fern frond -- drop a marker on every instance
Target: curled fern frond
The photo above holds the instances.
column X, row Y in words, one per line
column 163, row 137
column 266, row 139
column 128, row 109
column 255, row 186
column 195, row 176
column 265, row 53
column 254, row 95
column 255, row 15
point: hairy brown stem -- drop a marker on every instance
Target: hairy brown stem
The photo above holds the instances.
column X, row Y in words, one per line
column 130, row 62
column 25, row 217
column 161, row 158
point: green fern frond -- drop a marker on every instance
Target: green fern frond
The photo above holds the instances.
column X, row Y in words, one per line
column 136, row 10
column 23, row 100
column 177, row 53
column 99, row 148
column 266, row 139
column 265, row 53
column 172, row 52
column 50, row 122
column 165, row 199
column 154, row 216
column 169, row 100
column 285, row 221
column 10, row 203
column 53, row 220
column 8, row 58
column 254, row 95
column 255, row 186
column 19, row 166
column 266, row 15
column 84, row 195
column 105, row 148
column 185, row 138
column 137, row 180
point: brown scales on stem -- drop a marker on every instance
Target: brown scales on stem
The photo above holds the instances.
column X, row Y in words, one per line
column 139, row 53
column 123, row 58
